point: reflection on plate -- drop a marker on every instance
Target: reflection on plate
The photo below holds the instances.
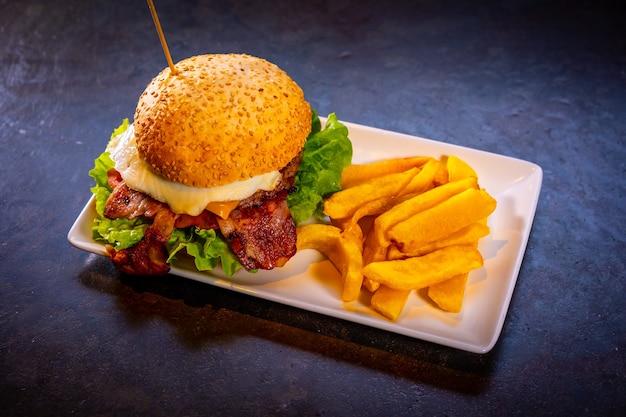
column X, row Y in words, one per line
column 309, row 282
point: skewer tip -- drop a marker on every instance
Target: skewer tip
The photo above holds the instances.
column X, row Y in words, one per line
column 166, row 50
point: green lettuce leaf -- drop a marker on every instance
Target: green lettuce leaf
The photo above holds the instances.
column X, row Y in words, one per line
column 325, row 155
column 207, row 247
column 121, row 128
column 119, row 233
column 102, row 190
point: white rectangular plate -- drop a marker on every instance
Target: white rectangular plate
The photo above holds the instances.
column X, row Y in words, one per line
column 310, row 282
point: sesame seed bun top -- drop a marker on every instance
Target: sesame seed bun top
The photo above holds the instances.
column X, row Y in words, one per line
column 220, row 119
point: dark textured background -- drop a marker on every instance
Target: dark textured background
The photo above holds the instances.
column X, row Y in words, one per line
column 539, row 80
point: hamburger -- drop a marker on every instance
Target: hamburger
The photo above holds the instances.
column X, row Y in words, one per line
column 207, row 167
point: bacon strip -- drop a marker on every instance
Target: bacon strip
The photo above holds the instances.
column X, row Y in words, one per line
column 114, row 177
column 205, row 220
column 262, row 236
column 127, row 203
column 149, row 255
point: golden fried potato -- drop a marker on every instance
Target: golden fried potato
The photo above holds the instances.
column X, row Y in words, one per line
column 421, row 182
column 378, row 240
column 424, row 271
column 468, row 235
column 459, row 169
column 343, row 252
column 371, row 285
column 389, row 302
column 344, row 203
column 374, row 250
column 425, row 179
column 351, row 225
column 444, row 219
column 441, row 177
column 449, row 294
column 360, row 173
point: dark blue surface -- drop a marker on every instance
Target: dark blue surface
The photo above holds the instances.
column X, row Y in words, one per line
column 543, row 81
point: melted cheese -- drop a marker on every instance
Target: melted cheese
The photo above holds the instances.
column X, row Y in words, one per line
column 222, row 208
column 181, row 198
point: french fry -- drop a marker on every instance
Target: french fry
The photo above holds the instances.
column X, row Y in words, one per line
column 360, row 173
column 374, row 250
column 343, row 252
column 448, row 295
column 443, row 219
column 459, row 169
column 371, row 208
column 419, row 183
column 424, row 180
column 377, row 242
column 468, row 235
column 371, row 285
column 389, row 302
column 344, row 203
column 424, row 271
column 441, row 177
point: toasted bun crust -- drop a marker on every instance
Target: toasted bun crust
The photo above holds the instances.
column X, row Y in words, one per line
column 220, row 119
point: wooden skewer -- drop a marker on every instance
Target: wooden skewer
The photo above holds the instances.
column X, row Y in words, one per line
column 166, row 50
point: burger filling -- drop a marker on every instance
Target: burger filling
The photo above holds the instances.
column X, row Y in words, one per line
column 251, row 224
column 260, row 229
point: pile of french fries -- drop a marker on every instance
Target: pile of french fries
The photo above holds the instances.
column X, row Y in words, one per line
column 402, row 225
